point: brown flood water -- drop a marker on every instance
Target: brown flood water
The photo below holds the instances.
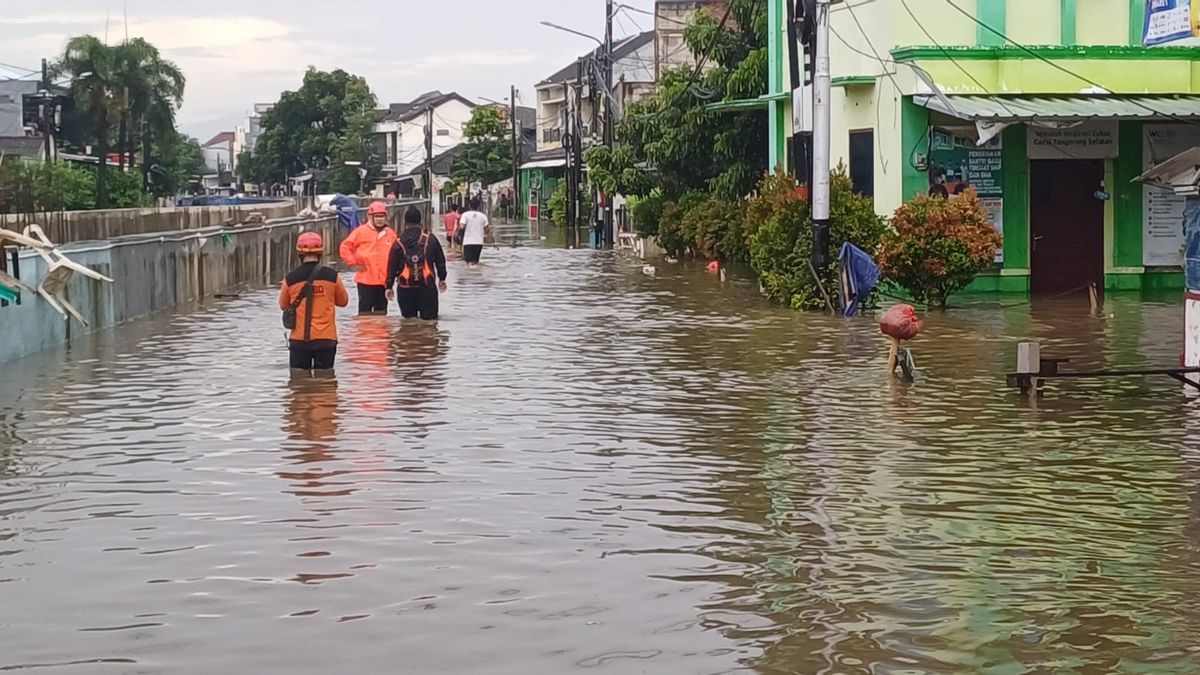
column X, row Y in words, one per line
column 584, row 469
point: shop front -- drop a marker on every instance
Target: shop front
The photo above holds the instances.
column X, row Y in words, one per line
column 1056, row 175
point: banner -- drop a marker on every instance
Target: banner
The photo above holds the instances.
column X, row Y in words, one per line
column 1169, row 21
column 1090, row 140
column 1162, row 210
column 956, row 163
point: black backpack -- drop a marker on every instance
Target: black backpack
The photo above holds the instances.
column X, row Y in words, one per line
column 416, row 271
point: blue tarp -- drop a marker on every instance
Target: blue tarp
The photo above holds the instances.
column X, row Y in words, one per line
column 859, row 276
column 347, row 211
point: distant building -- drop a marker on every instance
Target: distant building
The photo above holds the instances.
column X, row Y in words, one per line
column 247, row 133
column 633, row 79
column 671, row 18
column 28, row 148
column 400, row 135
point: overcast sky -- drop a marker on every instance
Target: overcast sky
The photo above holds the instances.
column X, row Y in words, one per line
column 235, row 54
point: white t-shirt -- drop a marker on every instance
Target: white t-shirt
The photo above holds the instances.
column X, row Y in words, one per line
column 473, row 223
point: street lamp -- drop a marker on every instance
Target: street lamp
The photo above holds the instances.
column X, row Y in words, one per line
column 572, row 31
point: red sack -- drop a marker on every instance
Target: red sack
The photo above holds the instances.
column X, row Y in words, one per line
column 901, row 322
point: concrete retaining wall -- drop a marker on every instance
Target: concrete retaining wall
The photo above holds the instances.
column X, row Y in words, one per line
column 151, row 273
column 71, row 226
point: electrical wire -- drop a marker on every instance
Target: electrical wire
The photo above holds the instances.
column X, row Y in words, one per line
column 25, row 70
column 1058, row 66
column 700, row 63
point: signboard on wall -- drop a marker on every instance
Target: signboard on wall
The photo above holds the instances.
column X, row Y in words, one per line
column 1090, row 140
column 1169, row 21
column 1162, row 210
column 957, row 163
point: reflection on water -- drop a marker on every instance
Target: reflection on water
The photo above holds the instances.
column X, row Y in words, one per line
column 581, row 468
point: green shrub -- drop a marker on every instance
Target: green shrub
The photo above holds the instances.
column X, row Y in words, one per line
column 647, row 213
column 780, row 227
column 938, row 246
column 715, row 227
column 557, row 206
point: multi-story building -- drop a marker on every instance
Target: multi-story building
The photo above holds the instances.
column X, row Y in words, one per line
column 1049, row 110
column 671, row 18
column 246, row 135
column 400, row 132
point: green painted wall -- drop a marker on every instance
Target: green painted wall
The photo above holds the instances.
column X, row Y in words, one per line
column 777, row 69
column 1127, row 197
column 914, row 140
column 1016, row 198
column 1137, row 21
column 991, row 13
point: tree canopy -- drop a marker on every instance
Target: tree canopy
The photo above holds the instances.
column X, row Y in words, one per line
column 320, row 127
column 486, row 153
column 687, row 147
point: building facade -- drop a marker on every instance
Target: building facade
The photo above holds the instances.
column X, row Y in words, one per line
column 1048, row 109
column 400, row 135
column 247, row 133
column 671, row 18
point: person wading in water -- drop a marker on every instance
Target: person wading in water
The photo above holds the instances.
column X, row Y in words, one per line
column 367, row 250
column 417, row 267
column 308, row 298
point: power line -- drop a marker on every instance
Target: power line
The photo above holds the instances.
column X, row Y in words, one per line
column 1058, row 66
column 668, row 19
column 27, row 70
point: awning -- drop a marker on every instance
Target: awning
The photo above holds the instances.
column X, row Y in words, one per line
column 1065, row 108
column 545, row 163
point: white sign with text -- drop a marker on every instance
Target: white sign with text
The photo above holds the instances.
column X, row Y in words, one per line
column 1090, row 140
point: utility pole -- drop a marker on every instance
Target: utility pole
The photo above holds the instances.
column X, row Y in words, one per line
column 821, row 134
column 565, row 139
column 516, row 150
column 577, row 145
column 429, row 155
column 47, row 111
column 609, row 119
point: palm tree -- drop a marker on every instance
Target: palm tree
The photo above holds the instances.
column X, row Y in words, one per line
column 151, row 90
column 90, row 65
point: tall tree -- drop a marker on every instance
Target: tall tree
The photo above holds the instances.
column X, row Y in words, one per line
column 150, row 91
column 91, row 66
column 321, row 126
column 486, row 154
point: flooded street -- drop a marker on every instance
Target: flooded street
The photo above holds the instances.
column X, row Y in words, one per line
column 584, row 469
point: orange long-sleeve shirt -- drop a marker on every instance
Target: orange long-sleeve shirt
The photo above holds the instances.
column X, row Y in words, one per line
column 328, row 294
column 368, row 249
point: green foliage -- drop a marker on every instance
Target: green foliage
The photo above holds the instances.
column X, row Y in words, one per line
column 615, row 171
column 27, row 187
column 647, row 212
column 779, row 224
column 557, row 206
column 129, row 86
column 675, row 233
column 693, row 149
column 175, row 160
column 486, row 154
column 321, row 126
column 938, row 246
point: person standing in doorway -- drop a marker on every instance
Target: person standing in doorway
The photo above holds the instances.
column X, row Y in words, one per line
column 308, row 298
column 451, row 221
column 417, row 268
column 366, row 250
column 476, row 230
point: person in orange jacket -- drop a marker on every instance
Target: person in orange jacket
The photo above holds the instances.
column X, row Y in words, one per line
column 313, row 292
column 367, row 250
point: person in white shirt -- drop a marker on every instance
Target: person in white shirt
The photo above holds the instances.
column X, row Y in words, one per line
column 476, row 229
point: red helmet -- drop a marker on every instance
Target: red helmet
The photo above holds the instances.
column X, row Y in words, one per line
column 377, row 209
column 310, row 242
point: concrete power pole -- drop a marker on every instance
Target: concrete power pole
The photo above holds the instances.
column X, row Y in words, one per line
column 821, row 139
column 577, row 146
column 429, row 155
column 516, row 150
column 565, row 139
column 609, row 118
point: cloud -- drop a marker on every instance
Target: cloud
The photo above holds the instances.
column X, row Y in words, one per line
column 458, row 60
column 72, row 19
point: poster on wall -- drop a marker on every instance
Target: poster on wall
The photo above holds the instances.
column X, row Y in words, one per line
column 957, row 163
column 1090, row 140
column 1162, row 210
column 1170, row 21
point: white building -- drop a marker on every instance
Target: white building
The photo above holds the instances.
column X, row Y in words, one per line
column 633, row 80
column 218, row 152
column 671, row 18
column 247, row 133
column 400, row 131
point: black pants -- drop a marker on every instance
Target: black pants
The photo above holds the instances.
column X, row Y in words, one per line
column 471, row 253
column 372, row 299
column 315, row 355
column 418, row 300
